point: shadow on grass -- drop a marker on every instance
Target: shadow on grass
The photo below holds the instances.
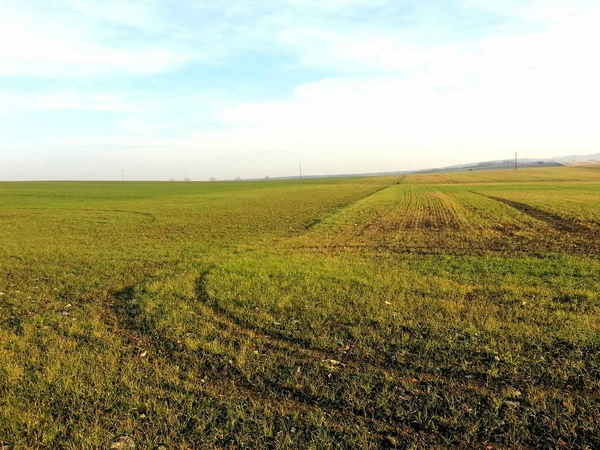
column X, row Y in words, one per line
column 125, row 308
column 203, row 296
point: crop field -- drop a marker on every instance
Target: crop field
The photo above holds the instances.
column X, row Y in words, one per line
column 443, row 310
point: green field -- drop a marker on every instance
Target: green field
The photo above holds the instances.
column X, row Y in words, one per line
column 454, row 310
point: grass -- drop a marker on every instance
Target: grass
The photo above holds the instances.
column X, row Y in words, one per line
column 429, row 311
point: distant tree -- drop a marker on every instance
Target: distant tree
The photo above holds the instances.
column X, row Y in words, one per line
column 187, row 179
column 267, row 177
column 238, row 178
column 212, row 179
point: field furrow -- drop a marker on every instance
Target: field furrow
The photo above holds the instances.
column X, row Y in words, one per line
column 458, row 219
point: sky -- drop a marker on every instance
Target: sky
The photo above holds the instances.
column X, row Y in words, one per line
column 169, row 89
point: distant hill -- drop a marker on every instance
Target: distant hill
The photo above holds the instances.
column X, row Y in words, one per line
column 521, row 163
column 577, row 158
column 485, row 165
column 495, row 165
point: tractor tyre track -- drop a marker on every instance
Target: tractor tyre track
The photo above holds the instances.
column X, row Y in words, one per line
column 556, row 221
column 125, row 319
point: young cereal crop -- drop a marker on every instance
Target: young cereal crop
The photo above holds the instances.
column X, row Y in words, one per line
column 428, row 311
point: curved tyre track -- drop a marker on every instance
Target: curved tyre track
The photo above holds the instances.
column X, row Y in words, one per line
column 392, row 421
column 277, row 383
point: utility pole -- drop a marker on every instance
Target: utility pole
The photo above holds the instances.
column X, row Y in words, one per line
column 123, row 173
column 515, row 160
column 300, row 168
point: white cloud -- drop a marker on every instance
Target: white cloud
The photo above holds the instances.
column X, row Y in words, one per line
column 376, row 111
column 534, row 88
column 535, row 11
column 67, row 45
column 144, row 16
column 11, row 102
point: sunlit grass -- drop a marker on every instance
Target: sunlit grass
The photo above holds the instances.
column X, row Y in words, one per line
column 448, row 310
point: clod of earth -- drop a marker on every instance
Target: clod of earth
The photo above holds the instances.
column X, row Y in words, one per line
column 123, row 443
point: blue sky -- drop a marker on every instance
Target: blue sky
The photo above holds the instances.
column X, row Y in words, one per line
column 171, row 89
